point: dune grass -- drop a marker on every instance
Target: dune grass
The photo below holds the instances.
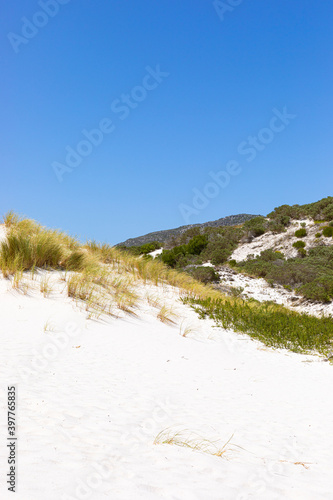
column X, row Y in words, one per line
column 167, row 315
column 272, row 324
column 102, row 276
column 29, row 245
column 191, row 440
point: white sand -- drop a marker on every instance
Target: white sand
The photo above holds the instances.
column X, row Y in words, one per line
column 90, row 405
column 2, row 232
column 259, row 289
column 156, row 252
column 283, row 242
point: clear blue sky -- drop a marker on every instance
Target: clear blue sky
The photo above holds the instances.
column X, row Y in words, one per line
column 227, row 72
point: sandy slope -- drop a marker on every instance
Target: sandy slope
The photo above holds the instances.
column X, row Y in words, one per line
column 91, row 402
column 259, row 289
column 282, row 242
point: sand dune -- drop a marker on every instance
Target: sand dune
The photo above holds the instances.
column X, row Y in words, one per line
column 93, row 396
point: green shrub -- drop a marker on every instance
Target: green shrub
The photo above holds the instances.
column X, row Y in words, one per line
column 142, row 249
column 197, row 244
column 205, row 274
column 328, row 231
column 314, row 266
column 319, row 290
column 299, row 244
column 219, row 256
column 302, row 252
column 300, row 233
column 255, row 226
column 318, row 235
column 320, row 210
column 169, row 258
column 236, row 291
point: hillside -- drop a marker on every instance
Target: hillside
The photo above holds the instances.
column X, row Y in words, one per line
column 291, row 248
column 167, row 234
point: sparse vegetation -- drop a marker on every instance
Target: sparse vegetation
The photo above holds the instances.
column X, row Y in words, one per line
column 310, row 274
column 102, row 280
column 274, row 325
column 192, row 440
column 319, row 211
column 166, row 315
column 205, row 274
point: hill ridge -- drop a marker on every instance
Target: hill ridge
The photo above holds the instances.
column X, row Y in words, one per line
column 167, row 234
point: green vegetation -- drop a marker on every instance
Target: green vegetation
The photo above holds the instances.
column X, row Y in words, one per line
column 205, row 274
column 328, row 231
column 100, row 274
column 300, row 233
column 142, row 249
column 319, row 211
column 103, row 279
column 274, row 325
column 299, row 244
column 193, row 248
column 311, row 275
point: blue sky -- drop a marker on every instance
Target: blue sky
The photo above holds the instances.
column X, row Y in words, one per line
column 197, row 83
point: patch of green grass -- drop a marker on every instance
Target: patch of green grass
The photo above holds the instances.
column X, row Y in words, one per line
column 272, row 324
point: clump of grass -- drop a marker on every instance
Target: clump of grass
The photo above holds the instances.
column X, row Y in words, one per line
column 185, row 330
column 153, row 301
column 29, row 245
column 45, row 286
column 49, row 327
column 191, row 440
column 18, row 283
column 166, row 315
column 10, row 218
